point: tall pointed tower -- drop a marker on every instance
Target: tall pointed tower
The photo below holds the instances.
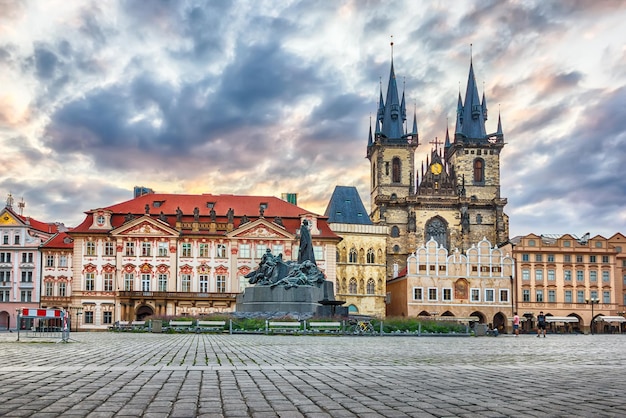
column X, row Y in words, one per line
column 455, row 198
column 391, row 152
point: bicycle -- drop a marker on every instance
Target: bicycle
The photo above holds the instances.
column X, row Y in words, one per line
column 362, row 328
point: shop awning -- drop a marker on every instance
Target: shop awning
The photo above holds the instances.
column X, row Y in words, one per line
column 611, row 319
column 561, row 319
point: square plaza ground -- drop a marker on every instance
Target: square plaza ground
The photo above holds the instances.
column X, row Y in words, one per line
column 189, row 375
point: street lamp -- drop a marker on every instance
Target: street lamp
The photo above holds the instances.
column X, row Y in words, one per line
column 592, row 301
column 78, row 311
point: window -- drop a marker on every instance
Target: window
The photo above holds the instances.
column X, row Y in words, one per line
column 418, row 293
column 145, row 282
column 606, row 276
column 185, row 283
column 539, row 275
column 89, row 317
column 551, row 296
column 551, row 275
column 62, row 289
column 162, row 282
column 109, row 249
column 550, row 258
column 49, row 261
column 432, row 293
column 27, row 276
column 49, row 289
column 594, row 294
column 204, row 250
column 395, row 232
column 352, row 286
column 370, row 259
column 4, row 295
column 490, row 295
column 568, row 296
column 5, row 275
column 525, row 257
column 27, row 257
column 479, row 167
column 371, row 287
column 580, row 276
column 567, row 258
column 592, row 258
column 260, row 250
column 220, row 283
column 318, row 252
column 5, row 240
column 504, row 295
column 244, row 250
column 90, row 248
column 606, row 297
column 580, row 296
column 162, row 249
column 129, row 278
column 107, row 317
column 538, row 258
column 352, row 256
column 16, row 240
column 62, row 260
column 26, row 295
column 475, row 295
column 204, row 283
column 146, row 249
column 186, row 249
column 539, row 295
column 567, row 274
column 278, row 249
column 579, row 258
column 130, row 249
column 446, row 294
column 593, row 276
column 395, row 173
column 605, row 259
column 525, row 274
column 531, row 242
column 90, row 282
column 5, row 257
column 108, row 282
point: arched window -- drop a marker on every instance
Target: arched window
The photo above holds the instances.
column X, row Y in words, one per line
column 373, row 175
column 395, row 232
column 479, row 170
column 437, row 229
column 343, row 284
column 371, row 287
column 352, row 258
column 337, row 257
column 352, row 288
column 395, row 170
column 370, row 256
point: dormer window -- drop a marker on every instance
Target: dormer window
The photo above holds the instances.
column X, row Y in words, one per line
column 100, row 220
column 210, row 205
column 157, row 203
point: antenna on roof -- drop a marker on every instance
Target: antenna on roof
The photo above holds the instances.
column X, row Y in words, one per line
column 21, row 205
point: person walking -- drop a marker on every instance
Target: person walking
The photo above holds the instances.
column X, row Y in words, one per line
column 541, row 324
column 516, row 324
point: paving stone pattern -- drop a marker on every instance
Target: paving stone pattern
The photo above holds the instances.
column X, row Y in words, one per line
column 209, row 375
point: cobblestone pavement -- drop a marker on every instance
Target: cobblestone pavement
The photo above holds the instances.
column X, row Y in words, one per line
column 208, row 375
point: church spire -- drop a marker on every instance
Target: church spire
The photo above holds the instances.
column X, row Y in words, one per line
column 393, row 113
column 473, row 117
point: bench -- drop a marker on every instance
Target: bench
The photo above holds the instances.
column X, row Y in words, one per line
column 285, row 327
column 180, row 326
column 120, row 326
column 138, row 325
column 328, row 327
column 210, row 326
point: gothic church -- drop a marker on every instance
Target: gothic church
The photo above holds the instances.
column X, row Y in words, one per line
column 454, row 198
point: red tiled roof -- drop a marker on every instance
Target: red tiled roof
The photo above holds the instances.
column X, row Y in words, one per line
column 59, row 241
column 241, row 205
column 50, row 228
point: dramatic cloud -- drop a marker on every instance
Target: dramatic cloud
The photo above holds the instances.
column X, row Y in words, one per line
column 267, row 97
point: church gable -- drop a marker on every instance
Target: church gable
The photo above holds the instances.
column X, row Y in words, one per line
column 8, row 218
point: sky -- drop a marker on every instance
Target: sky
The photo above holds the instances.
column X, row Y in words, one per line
column 266, row 97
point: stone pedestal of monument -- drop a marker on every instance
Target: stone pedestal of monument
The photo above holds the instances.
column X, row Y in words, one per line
column 301, row 299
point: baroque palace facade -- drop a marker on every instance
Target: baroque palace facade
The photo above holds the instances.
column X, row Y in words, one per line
column 168, row 255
